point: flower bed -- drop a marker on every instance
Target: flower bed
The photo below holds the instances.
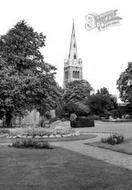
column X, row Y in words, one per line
column 31, row 143
column 41, row 132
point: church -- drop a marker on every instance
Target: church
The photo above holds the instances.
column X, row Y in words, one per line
column 72, row 65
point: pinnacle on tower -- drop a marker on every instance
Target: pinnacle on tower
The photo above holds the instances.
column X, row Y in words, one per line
column 73, row 45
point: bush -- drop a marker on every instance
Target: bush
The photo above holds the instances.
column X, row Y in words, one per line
column 78, row 108
column 82, row 122
column 113, row 139
column 31, row 143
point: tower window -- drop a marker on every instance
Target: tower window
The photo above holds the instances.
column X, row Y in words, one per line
column 74, row 45
column 73, row 74
column 75, row 56
column 76, row 74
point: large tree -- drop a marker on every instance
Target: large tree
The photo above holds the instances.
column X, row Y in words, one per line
column 75, row 96
column 124, row 84
column 26, row 81
column 102, row 102
column 77, row 91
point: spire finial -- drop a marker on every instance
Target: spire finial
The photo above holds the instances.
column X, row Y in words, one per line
column 73, row 24
column 73, row 20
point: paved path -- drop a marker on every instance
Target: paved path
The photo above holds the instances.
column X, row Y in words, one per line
column 112, row 157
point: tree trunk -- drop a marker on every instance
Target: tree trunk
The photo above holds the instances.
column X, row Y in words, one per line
column 8, row 120
column 42, row 121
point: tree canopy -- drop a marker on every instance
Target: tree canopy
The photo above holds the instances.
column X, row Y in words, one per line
column 77, row 90
column 102, row 102
column 26, row 80
column 124, row 84
column 74, row 97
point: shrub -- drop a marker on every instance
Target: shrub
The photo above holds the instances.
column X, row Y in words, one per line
column 79, row 108
column 113, row 139
column 82, row 122
column 31, row 143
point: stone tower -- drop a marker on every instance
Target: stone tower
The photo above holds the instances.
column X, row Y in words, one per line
column 72, row 65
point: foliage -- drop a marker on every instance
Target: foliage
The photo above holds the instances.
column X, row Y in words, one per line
column 102, row 102
column 31, row 143
column 124, row 84
column 75, row 96
column 122, row 110
column 26, row 81
column 77, row 91
column 113, row 139
column 78, row 108
column 94, row 117
column 82, row 121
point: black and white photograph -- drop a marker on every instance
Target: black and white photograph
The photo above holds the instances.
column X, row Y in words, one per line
column 65, row 95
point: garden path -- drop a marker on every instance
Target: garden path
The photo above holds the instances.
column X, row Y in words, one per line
column 112, row 157
column 102, row 129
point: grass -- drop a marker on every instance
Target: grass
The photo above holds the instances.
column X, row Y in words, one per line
column 58, row 169
column 125, row 147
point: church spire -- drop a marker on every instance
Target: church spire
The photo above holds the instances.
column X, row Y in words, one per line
column 72, row 65
column 73, row 45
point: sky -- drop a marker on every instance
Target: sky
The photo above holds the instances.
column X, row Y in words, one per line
column 105, row 54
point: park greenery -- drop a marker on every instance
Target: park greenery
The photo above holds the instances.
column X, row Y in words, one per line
column 124, row 85
column 27, row 82
column 31, row 143
column 74, row 97
column 102, row 103
column 113, row 139
column 78, row 98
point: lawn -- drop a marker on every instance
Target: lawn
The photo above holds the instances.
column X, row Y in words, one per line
column 58, row 169
column 125, row 147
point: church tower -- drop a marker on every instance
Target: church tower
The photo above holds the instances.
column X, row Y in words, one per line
column 72, row 65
